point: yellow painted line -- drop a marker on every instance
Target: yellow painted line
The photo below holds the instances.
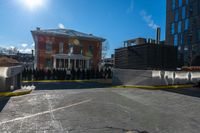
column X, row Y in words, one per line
column 155, row 87
column 68, row 81
column 54, row 81
column 19, row 93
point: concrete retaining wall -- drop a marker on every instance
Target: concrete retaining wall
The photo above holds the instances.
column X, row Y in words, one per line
column 10, row 78
column 153, row 77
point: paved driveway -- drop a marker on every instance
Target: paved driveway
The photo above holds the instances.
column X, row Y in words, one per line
column 102, row 110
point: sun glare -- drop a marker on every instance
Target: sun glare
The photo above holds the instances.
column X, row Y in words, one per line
column 33, row 4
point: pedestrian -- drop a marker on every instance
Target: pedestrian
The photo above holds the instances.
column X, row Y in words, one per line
column 68, row 74
column 78, row 73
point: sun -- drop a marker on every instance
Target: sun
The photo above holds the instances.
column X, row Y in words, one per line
column 33, row 4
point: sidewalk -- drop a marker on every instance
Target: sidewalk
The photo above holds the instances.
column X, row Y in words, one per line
column 19, row 92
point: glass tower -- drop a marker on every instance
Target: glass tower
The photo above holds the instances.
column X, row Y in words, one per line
column 183, row 29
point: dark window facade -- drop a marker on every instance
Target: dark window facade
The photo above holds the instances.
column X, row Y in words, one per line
column 172, row 28
column 198, row 35
column 176, row 39
column 179, row 26
column 183, row 12
column 183, row 27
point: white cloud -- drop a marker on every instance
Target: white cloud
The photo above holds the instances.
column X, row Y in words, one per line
column 24, row 45
column 12, row 47
column 33, row 45
column 131, row 7
column 148, row 19
column 61, row 26
column 22, row 48
column 25, row 50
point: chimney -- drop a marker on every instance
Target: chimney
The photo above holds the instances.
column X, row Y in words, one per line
column 38, row 28
column 158, row 32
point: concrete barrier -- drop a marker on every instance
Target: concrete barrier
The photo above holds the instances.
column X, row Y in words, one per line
column 195, row 77
column 153, row 77
column 137, row 77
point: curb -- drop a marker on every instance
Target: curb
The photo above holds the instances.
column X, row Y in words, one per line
column 19, row 93
column 65, row 81
column 54, row 81
column 154, row 87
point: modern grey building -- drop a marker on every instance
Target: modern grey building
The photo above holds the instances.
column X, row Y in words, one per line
column 145, row 54
column 183, row 29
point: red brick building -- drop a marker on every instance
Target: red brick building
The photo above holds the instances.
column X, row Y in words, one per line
column 65, row 48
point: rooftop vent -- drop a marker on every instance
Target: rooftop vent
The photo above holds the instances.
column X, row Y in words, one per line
column 38, row 28
column 158, row 32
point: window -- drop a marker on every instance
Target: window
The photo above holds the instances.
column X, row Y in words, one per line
column 48, row 63
column 198, row 35
column 191, row 10
column 186, row 2
column 179, row 48
column 176, row 15
column 179, row 26
column 180, row 3
column 48, row 47
column 61, row 47
column 71, row 49
column 175, row 40
column 186, row 48
column 90, row 51
column 194, row 22
column 183, row 12
column 81, row 49
column 181, row 39
column 173, row 4
column 172, row 28
column 199, row 7
column 186, row 24
column 189, row 38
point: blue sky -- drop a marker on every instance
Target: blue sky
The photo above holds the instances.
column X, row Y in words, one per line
column 115, row 20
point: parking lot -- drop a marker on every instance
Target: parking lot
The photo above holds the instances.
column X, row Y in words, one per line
column 96, row 108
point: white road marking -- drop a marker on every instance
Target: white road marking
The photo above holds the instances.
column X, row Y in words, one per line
column 46, row 112
column 55, row 123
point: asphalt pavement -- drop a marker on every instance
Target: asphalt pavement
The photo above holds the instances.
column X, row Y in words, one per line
column 92, row 108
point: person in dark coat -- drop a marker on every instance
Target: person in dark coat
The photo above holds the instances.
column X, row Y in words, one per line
column 68, row 73
column 88, row 74
column 109, row 73
column 24, row 74
column 54, row 74
column 83, row 74
column 78, row 73
column 48, row 74
column 29, row 74
column 72, row 74
column 101, row 73
column 36, row 74
column 64, row 74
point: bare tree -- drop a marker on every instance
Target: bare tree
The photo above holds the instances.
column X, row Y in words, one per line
column 105, row 48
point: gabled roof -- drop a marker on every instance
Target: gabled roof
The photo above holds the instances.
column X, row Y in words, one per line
column 6, row 62
column 68, row 33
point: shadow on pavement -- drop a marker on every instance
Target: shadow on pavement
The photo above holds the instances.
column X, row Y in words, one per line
column 194, row 92
column 67, row 85
column 3, row 102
